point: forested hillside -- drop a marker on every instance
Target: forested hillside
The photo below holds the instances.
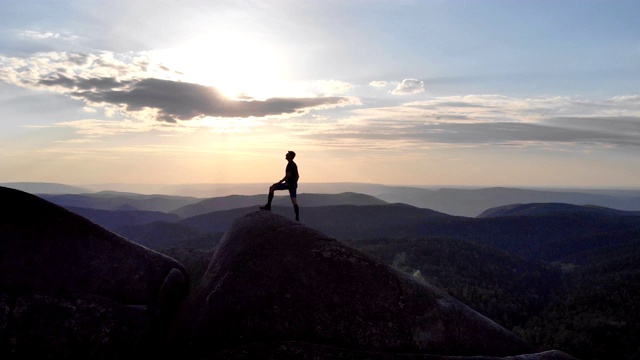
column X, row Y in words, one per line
column 505, row 288
column 595, row 313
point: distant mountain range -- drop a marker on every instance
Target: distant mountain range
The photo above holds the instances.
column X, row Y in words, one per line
column 532, row 230
column 472, row 202
column 45, row 188
column 111, row 200
column 240, row 201
column 549, row 232
column 460, row 201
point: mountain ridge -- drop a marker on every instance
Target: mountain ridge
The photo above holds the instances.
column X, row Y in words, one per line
column 467, row 201
column 308, row 199
column 532, row 209
column 112, row 200
column 472, row 202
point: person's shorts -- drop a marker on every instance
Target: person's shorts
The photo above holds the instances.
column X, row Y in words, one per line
column 284, row 186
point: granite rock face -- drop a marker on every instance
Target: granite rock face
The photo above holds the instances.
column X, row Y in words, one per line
column 272, row 279
column 62, row 275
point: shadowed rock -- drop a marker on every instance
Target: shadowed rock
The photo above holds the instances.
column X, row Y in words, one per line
column 66, row 283
column 79, row 327
column 45, row 249
column 306, row 351
column 273, row 280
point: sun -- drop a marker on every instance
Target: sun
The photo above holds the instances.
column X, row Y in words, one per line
column 237, row 64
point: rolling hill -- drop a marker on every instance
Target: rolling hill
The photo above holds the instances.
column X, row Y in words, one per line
column 162, row 234
column 45, row 188
column 548, row 237
column 304, row 199
column 469, row 202
column 551, row 209
column 472, row 202
column 110, row 200
column 114, row 219
column 335, row 220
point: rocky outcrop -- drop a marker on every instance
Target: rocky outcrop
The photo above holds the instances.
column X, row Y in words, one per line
column 71, row 289
column 273, row 280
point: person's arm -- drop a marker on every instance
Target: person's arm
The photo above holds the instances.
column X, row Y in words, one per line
column 286, row 176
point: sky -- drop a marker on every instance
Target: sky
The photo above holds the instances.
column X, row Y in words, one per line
column 526, row 93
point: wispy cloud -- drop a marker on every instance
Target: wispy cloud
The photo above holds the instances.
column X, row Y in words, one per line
column 331, row 87
column 379, row 84
column 95, row 128
column 39, row 35
column 478, row 120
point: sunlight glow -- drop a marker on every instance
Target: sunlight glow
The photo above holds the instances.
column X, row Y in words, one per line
column 230, row 125
column 238, row 64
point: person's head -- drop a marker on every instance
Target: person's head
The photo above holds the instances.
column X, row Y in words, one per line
column 290, row 155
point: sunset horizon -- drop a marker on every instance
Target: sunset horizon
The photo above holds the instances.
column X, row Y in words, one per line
column 410, row 93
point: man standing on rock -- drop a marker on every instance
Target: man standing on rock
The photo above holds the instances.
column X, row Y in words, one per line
column 288, row 182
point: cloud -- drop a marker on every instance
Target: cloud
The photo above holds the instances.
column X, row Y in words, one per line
column 416, row 135
column 95, row 128
column 52, row 67
column 38, row 35
column 378, row 84
column 125, row 83
column 408, row 87
column 176, row 100
column 614, row 125
column 490, row 120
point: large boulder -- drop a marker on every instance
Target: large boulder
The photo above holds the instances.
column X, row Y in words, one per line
column 83, row 276
column 274, row 280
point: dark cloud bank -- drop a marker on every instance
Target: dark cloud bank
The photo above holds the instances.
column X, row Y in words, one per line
column 179, row 100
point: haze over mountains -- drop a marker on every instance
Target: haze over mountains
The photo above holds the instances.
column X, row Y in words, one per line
column 453, row 201
column 148, row 219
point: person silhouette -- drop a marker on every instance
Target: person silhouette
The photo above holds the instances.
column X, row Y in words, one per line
column 288, row 182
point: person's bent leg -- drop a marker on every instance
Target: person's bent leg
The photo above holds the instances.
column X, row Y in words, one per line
column 269, row 199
